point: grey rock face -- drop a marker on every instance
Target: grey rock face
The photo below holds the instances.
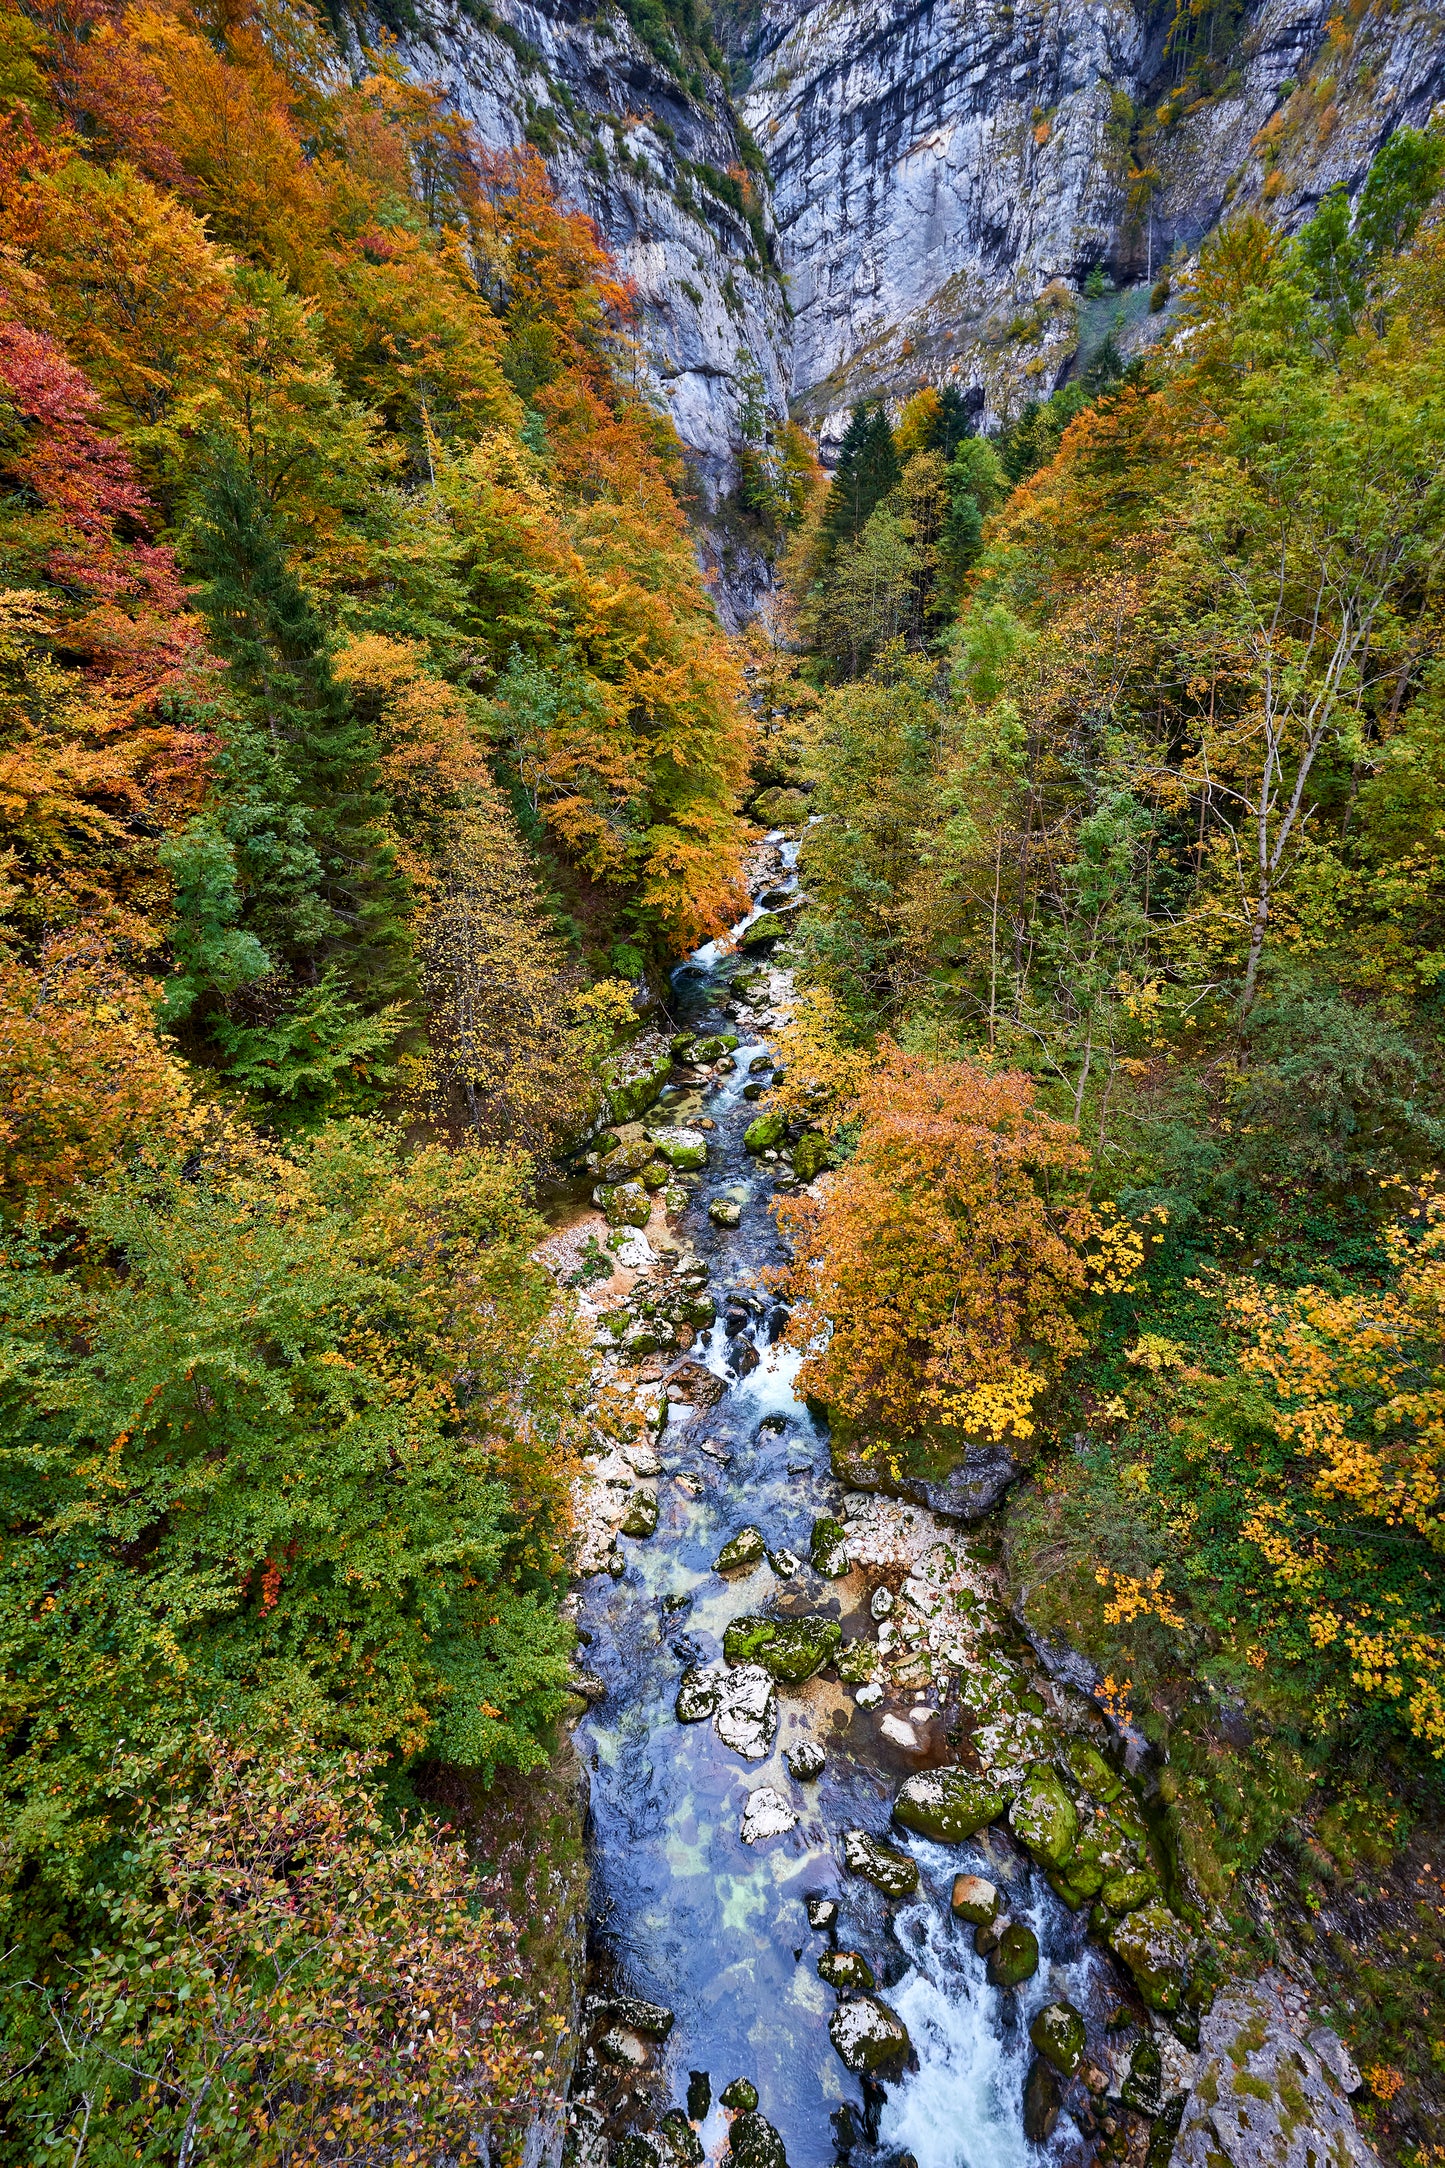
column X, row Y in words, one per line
column 1262, row 2096
column 971, row 1490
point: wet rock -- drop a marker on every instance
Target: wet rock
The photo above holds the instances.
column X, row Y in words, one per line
column 697, row 1697
column 810, row 1155
column 652, row 2019
column 1042, row 2102
column 1044, row 1818
column 702, row 1387
column 1092, row 1773
column 845, row 1969
column 754, row 2143
column 1014, row 1957
column 640, row 1518
column 948, row 1805
column 970, row 1491
column 870, row 2038
column 741, row 2096
column 1058, row 2034
column 784, row 1564
column 681, row 2140
column 746, row 1716
column 626, row 1204
column 900, row 1733
column 891, row 1871
column 725, row 1212
column 634, row 2151
column 1156, row 1948
column 699, row 2095
column 1262, row 2097
column 588, row 1685
column 766, row 927
column 828, row 1549
column 621, row 2048
column 1143, row 2086
column 790, row 1649
column 741, row 1552
column 975, row 1900
column 767, row 1132
column 683, row 1148
column 767, row 1814
column 822, row 1913
column 806, row 1760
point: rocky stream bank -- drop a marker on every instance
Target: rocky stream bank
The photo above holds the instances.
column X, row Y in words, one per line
column 876, row 1875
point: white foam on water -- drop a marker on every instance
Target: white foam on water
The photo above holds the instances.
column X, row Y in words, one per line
column 963, row 2106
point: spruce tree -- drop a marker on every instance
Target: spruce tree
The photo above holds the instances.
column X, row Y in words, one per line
column 867, row 470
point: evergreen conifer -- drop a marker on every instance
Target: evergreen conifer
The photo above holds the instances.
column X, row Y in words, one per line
column 867, row 470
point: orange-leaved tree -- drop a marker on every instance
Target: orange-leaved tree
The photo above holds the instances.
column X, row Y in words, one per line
column 937, row 1281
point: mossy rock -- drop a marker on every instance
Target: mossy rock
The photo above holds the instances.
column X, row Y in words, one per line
column 1143, row 2086
column 974, row 1899
column 810, row 1155
column 891, row 1871
column 741, row 1552
column 767, row 1132
column 1014, row 1957
column 1076, row 1890
column 684, row 1148
column 1092, row 1773
column 626, row 1161
column 1045, row 1819
column 626, row 1204
column 724, row 1212
column 828, row 1549
column 681, row 2140
column 1127, row 1892
column 741, row 2096
column 948, row 1805
column 870, row 2037
column 1042, row 2101
column 857, row 1662
column 697, row 1697
column 789, row 1649
column 1157, row 1949
column 779, row 807
column 754, row 2143
column 640, row 1518
column 633, row 1086
column 845, row 1969
column 1058, row 2034
column 655, row 1175
column 767, row 926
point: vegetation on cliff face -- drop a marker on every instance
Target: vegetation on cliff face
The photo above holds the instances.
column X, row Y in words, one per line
column 365, row 731
column 1143, row 848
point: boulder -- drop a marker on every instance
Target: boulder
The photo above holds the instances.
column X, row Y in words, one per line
column 975, row 1900
column 1042, row 2102
column 640, row 1518
column 652, row 2019
column 767, row 926
column 968, row 1492
column 856, row 1662
column 634, row 1084
column 725, row 1212
column 685, row 1148
column 746, row 1715
column 697, row 1696
column 698, row 1385
column 784, row 1563
column 948, row 1805
column 891, row 1871
column 754, row 2143
column 806, row 1760
column 1143, row 2086
column 1127, row 1892
column 628, row 1159
column 655, row 1176
column 1092, row 1773
column 822, row 1912
column 1045, row 1819
column 621, row 2047
column 810, row 1155
column 790, row 1649
column 1058, row 2034
column 741, row 1552
column 870, row 2038
column 625, row 1204
column 680, row 2139
column 845, row 1969
column 1156, row 1948
column 767, row 1132
column 741, row 2096
column 699, row 2095
column 767, row 1814
column 828, row 1549
column 1262, row 2097
column 1014, row 1957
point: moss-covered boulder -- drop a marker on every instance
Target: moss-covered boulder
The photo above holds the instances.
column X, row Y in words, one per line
column 976, row 1900
column 767, row 926
column 789, row 1649
column 810, row 1155
column 633, row 1084
column 857, row 1662
column 948, row 1805
column 1092, row 1773
column 1058, row 2034
column 625, row 1204
column 891, row 1871
column 767, row 1132
column 725, row 1212
column 845, row 1969
column 628, row 1160
column 685, row 1148
column 1156, row 1948
column 753, row 2142
column 1127, row 1892
column 640, row 1518
column 1014, row 1957
column 780, row 807
column 697, row 1697
column 680, row 2139
column 740, row 2094
column 871, row 2039
column 1045, row 1819
column 828, row 1549
column 741, row 1552
column 1143, row 2086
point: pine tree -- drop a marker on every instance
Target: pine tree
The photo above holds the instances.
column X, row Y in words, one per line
column 866, row 472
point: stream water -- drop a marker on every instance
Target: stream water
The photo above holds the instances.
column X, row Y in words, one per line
column 684, row 1912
